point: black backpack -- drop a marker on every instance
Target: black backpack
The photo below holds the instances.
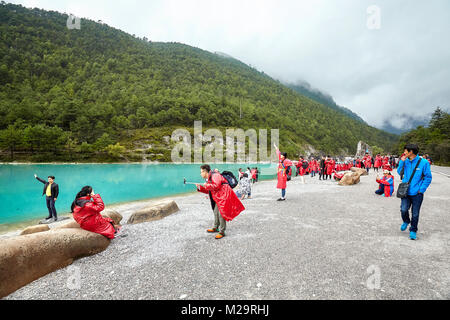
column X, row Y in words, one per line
column 229, row 176
column 305, row 164
column 288, row 173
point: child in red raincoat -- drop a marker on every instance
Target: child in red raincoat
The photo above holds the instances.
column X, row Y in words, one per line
column 86, row 213
column 224, row 202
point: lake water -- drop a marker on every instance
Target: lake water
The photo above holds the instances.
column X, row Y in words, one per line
column 21, row 194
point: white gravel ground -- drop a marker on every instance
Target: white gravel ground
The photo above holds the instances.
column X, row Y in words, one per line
column 324, row 242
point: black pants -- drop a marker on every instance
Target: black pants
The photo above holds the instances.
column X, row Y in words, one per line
column 51, row 207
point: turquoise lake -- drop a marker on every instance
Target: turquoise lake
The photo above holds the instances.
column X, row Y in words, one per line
column 21, row 196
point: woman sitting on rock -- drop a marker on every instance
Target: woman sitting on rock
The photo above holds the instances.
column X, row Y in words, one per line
column 87, row 213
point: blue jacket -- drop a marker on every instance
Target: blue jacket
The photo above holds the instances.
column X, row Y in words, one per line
column 422, row 178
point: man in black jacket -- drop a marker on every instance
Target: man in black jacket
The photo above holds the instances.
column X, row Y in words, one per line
column 322, row 173
column 51, row 191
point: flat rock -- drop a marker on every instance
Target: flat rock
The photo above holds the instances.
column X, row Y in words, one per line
column 113, row 214
column 48, row 221
column 154, row 212
column 35, row 229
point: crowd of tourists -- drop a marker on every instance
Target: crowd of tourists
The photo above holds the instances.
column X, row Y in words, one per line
column 226, row 204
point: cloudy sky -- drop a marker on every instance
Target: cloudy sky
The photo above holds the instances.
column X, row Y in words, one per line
column 383, row 59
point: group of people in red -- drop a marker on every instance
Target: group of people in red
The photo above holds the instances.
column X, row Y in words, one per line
column 327, row 166
column 225, row 203
column 324, row 167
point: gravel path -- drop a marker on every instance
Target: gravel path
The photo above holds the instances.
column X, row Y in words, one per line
column 324, row 242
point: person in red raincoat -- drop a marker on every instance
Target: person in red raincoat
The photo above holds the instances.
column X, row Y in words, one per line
column 253, row 172
column 330, row 167
column 301, row 169
column 367, row 162
column 86, row 213
column 386, row 184
column 378, row 162
column 283, row 166
column 314, row 167
column 224, row 202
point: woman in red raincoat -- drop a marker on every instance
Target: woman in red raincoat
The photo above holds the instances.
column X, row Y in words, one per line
column 330, row 167
column 377, row 163
column 283, row 167
column 224, row 202
column 301, row 170
column 87, row 213
column 368, row 162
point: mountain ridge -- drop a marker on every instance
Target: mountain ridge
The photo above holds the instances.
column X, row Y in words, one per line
column 98, row 85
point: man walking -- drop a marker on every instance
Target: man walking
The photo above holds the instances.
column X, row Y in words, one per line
column 411, row 164
column 51, row 191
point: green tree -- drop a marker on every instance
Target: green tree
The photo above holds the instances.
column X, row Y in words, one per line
column 11, row 138
column 115, row 150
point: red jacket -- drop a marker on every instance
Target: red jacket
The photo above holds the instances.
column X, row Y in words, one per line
column 388, row 184
column 229, row 204
column 378, row 161
column 330, row 167
column 301, row 170
column 282, row 167
column 89, row 218
column 368, row 162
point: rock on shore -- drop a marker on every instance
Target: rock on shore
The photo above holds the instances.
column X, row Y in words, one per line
column 26, row 258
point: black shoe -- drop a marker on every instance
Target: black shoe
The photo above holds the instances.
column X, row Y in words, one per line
column 281, row 199
column 49, row 217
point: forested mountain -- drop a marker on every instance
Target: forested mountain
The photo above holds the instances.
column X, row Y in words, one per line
column 97, row 93
column 304, row 88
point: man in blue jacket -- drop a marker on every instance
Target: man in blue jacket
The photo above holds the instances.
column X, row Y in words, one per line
column 419, row 184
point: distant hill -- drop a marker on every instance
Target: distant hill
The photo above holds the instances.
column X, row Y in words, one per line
column 304, row 88
column 97, row 92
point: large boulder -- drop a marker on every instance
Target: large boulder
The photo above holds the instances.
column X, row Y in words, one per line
column 35, row 229
column 113, row 214
column 154, row 212
column 349, row 178
column 26, row 258
column 361, row 171
column 68, row 225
